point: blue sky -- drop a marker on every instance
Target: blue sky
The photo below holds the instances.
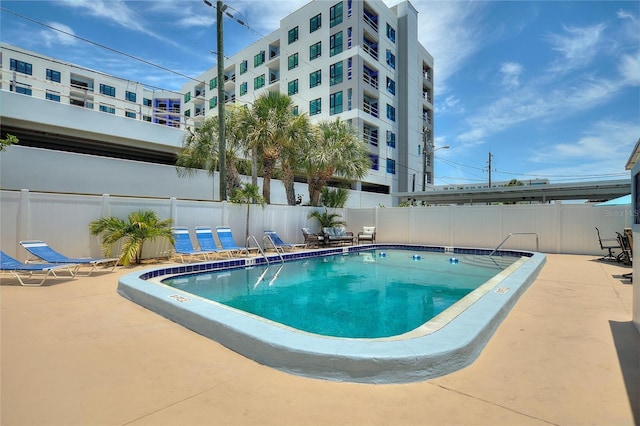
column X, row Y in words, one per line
column 550, row 88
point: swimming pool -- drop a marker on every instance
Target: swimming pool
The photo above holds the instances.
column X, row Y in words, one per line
column 449, row 341
column 367, row 294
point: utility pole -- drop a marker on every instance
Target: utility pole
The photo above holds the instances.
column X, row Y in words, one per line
column 490, row 168
column 222, row 148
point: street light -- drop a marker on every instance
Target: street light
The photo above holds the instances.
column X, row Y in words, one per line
column 428, row 152
column 222, row 149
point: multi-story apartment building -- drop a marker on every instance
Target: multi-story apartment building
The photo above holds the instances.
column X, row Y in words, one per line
column 32, row 74
column 357, row 60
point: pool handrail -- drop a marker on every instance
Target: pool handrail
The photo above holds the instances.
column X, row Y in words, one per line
column 515, row 233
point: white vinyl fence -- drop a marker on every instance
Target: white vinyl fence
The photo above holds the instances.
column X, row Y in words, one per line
column 62, row 221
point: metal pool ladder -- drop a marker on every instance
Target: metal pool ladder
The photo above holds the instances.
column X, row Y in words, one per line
column 515, row 233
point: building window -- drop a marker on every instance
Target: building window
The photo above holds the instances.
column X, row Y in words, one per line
column 293, row 87
column 391, row 139
column 146, row 118
column 315, row 78
column 130, row 96
column 258, row 59
column 130, row 114
column 243, row 88
column 391, row 86
column 21, row 67
column 374, row 161
column 335, row 15
column 335, row 44
column 335, row 73
column 391, row 59
column 53, row 96
column 243, row 67
column 53, row 75
column 293, row 61
column 315, row 106
column 213, row 102
column 146, row 102
column 187, row 97
column 107, row 108
column 258, row 82
column 391, row 166
column 391, row 33
column 391, row 113
column 315, row 22
column 108, row 90
column 335, row 103
column 293, row 35
column 315, row 50
column 295, row 110
column 213, row 83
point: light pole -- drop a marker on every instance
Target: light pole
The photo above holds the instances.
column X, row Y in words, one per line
column 427, row 151
column 222, row 148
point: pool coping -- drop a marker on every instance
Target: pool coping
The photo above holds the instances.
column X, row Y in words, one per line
column 448, row 348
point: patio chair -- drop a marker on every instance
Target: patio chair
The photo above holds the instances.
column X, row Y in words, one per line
column 609, row 244
column 225, row 236
column 337, row 235
column 183, row 246
column 368, row 234
column 44, row 253
column 311, row 239
column 204, row 234
column 273, row 239
column 25, row 271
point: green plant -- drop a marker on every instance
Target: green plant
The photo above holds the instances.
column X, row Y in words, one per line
column 336, row 198
column 326, row 219
column 8, row 140
column 140, row 226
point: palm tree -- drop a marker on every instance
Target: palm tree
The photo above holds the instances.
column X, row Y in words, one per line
column 334, row 197
column 248, row 194
column 268, row 125
column 326, row 219
column 300, row 131
column 200, row 151
column 336, row 151
column 142, row 225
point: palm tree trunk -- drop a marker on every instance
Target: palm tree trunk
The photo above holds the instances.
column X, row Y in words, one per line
column 288, row 182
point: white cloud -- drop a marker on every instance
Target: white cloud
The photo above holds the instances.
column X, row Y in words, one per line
column 578, row 46
column 59, row 34
column 510, row 74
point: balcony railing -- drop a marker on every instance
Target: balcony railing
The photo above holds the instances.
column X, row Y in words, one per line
column 370, row 80
column 370, row 109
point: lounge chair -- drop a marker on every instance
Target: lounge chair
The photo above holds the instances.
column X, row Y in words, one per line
column 311, row 239
column 225, row 236
column 44, row 253
column 206, row 241
column 183, row 247
column 272, row 238
column 25, row 271
column 609, row 244
column 368, row 234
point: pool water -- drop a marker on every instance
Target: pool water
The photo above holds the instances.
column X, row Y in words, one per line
column 370, row 294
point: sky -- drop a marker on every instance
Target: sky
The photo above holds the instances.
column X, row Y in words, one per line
column 549, row 89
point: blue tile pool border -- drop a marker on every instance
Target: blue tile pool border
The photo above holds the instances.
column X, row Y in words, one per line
column 414, row 358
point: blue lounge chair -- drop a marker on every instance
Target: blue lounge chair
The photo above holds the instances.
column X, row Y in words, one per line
column 225, row 236
column 272, row 238
column 25, row 271
column 206, row 241
column 183, row 246
column 44, row 253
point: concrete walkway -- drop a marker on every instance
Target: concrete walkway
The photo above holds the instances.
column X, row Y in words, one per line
column 77, row 353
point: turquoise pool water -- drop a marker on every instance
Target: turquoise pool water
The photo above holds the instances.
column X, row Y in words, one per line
column 367, row 294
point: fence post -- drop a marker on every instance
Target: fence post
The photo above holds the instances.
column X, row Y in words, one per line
column 105, row 209
column 174, row 211
column 24, row 216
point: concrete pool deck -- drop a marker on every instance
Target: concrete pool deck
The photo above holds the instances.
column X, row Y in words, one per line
column 77, row 353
